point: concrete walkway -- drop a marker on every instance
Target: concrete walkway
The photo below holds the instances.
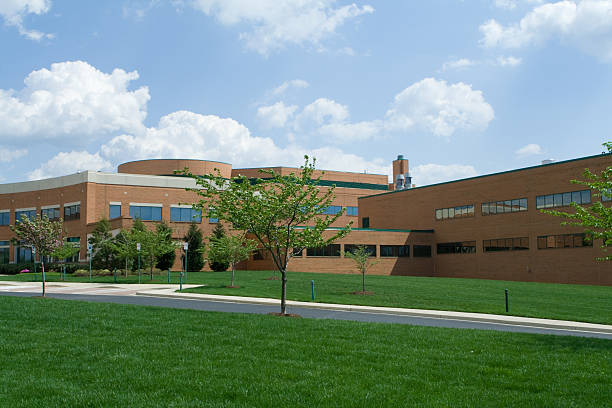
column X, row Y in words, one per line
column 170, row 291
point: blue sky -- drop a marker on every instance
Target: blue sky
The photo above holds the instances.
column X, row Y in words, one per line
column 460, row 88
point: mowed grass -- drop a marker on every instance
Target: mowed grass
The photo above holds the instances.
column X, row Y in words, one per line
column 76, row 354
column 552, row 301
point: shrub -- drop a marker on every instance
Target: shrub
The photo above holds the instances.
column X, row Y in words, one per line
column 14, row 269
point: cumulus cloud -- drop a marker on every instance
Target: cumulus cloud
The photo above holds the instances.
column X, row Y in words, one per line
column 7, row 156
column 439, row 108
column 512, row 4
column 67, row 163
column 277, row 115
column 322, row 111
column 508, row 61
column 458, row 64
column 529, row 150
column 294, row 83
column 426, row 174
column 276, row 23
column 586, row 24
column 72, row 100
column 463, row 63
column 14, row 11
column 352, row 132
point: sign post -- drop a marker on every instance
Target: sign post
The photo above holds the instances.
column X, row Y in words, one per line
column 34, row 260
column 89, row 251
column 138, row 249
column 186, row 247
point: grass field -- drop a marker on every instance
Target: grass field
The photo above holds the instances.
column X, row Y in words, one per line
column 554, row 301
column 76, row 354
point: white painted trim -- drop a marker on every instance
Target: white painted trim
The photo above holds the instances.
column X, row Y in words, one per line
column 5, row 211
column 146, row 204
column 25, row 209
column 180, row 206
column 74, row 203
column 114, row 203
column 48, row 207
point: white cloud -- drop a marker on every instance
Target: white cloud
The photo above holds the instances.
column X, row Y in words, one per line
column 442, row 109
column 458, row 64
column 426, row 174
column 14, row 11
column 586, row 24
column 322, row 111
column 276, row 23
column 294, row 83
column 351, row 132
column 276, row 115
column 512, row 4
column 72, row 100
column 508, row 61
column 67, row 163
column 7, row 156
column 529, row 150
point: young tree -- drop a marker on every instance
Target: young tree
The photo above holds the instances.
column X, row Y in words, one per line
column 361, row 256
column 195, row 258
column 152, row 245
column 124, row 248
column 101, row 241
column 230, row 249
column 217, row 265
column 164, row 233
column 43, row 235
column 596, row 219
column 284, row 213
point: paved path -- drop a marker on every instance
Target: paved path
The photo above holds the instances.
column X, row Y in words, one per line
column 166, row 296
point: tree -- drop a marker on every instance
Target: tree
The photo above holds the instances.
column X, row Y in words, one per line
column 230, row 249
column 164, row 233
column 218, row 265
column 41, row 234
column 361, row 256
column 153, row 244
column 596, row 219
column 195, row 258
column 124, row 248
column 285, row 214
column 101, row 241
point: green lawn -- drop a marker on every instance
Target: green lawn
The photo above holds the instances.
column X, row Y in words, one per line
column 545, row 300
column 76, row 354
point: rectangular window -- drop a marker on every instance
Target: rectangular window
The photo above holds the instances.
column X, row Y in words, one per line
column 51, row 213
column 4, row 252
column 563, row 199
column 563, row 241
column 352, row 247
column 72, row 212
column 114, row 211
column 465, row 247
column 460, row 211
column 185, row 215
column 332, row 210
column 297, row 253
column 421, row 251
column 505, row 244
column 31, row 214
column 503, row 207
column 75, row 242
column 5, row 217
column 23, row 253
column 606, row 195
column 394, row 251
column 365, row 222
column 352, row 211
column 146, row 213
column 329, row 250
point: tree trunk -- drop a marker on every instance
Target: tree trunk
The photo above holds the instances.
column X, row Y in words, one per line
column 151, row 269
column 233, row 270
column 126, row 266
column 284, row 292
column 42, row 263
column 363, row 281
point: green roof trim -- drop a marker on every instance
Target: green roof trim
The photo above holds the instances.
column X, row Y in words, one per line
column 488, row 175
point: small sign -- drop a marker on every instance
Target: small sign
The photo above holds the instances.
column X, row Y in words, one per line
column 89, row 247
column 138, row 246
column 186, row 246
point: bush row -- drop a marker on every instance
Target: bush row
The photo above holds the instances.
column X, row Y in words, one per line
column 14, row 269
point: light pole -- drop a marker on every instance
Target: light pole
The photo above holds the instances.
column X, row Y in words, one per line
column 138, row 249
column 89, row 251
column 186, row 247
column 34, row 260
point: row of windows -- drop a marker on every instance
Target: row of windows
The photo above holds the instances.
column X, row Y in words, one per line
column 51, row 213
column 31, row 214
column 465, row 247
column 335, row 209
column 563, row 241
column 146, row 213
column 333, row 250
column 72, row 212
column 563, row 199
column 455, row 212
column 185, row 215
column 503, row 207
column 505, row 244
column 399, row 251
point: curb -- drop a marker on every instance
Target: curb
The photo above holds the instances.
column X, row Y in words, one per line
column 435, row 314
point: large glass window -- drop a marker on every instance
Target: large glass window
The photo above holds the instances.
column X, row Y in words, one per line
column 455, row 212
column 564, row 241
column 329, row 250
column 563, row 199
column 114, row 211
column 353, row 247
column 146, row 213
column 23, row 254
column 5, row 218
column 465, row 247
column 332, row 210
column 4, row 252
column 31, row 214
column 421, row 251
column 51, row 213
column 400, row 251
column 505, row 244
column 505, row 206
column 352, row 211
column 72, row 212
column 185, row 215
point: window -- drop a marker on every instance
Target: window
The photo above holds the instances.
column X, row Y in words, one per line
column 146, row 212
column 564, row 241
column 72, row 211
column 352, row 211
column 455, row 212
column 505, row 244
column 332, row 210
column 76, row 242
column 51, row 213
column 504, row 207
column 30, row 213
column 401, row 251
column 365, row 222
column 4, row 252
column 465, row 247
column 352, row 247
column 329, row 250
column 5, row 217
column 184, row 214
column 421, row 251
column 114, row 211
column 606, row 196
column 23, row 254
column 297, row 252
column 563, row 199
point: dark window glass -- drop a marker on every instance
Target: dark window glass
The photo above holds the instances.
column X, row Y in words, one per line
column 567, row 199
column 492, row 208
column 585, row 196
column 146, row 213
column 72, row 212
column 332, row 210
column 421, row 251
column 548, row 201
column 5, row 218
column 500, row 207
column 365, row 222
column 576, row 197
column 515, row 205
column 4, row 255
column 51, row 213
column 540, row 202
column 352, row 211
column 438, row 214
column 297, row 253
column 563, row 241
column 466, row 247
column 31, row 214
column 558, row 200
column 523, row 204
column 329, row 250
column 259, row 255
column 114, row 211
column 395, row 250
column 352, row 247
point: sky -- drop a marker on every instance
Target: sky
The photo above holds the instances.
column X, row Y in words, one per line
column 460, row 88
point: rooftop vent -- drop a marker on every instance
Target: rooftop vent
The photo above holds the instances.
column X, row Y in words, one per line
column 400, row 157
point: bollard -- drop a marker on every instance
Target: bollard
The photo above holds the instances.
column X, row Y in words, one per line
column 115, row 274
column 312, row 286
column 64, row 273
column 168, row 275
column 507, row 309
column 181, row 282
